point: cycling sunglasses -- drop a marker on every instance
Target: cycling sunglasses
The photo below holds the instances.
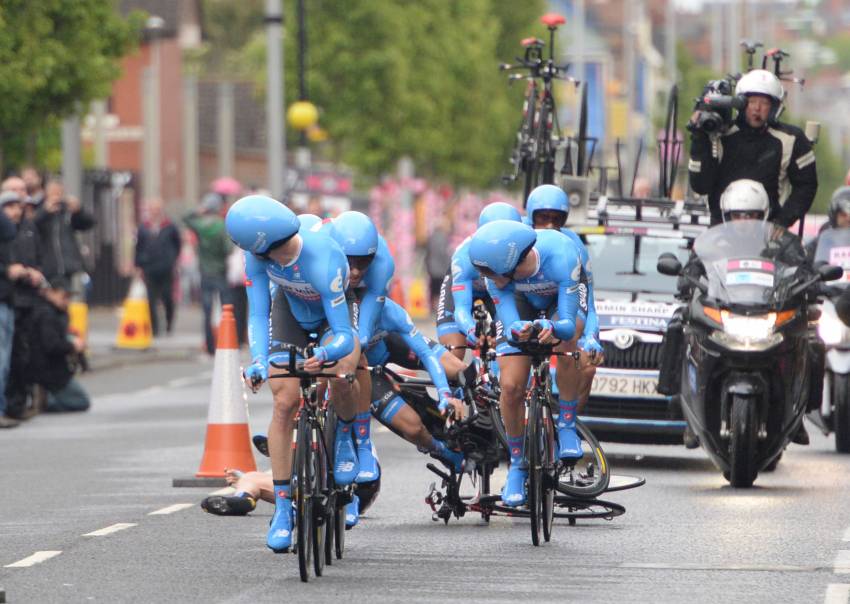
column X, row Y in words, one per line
column 554, row 217
column 360, row 263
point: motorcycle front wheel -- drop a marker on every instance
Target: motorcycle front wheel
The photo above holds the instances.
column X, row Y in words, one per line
column 742, row 444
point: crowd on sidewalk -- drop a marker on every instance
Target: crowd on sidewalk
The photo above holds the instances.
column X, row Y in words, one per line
column 41, row 268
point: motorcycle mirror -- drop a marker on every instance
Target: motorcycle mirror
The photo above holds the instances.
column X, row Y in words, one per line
column 669, row 265
column 830, row 272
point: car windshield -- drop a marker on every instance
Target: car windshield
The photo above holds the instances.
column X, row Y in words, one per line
column 834, row 248
column 626, row 263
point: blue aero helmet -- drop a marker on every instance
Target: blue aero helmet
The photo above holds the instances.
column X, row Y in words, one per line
column 308, row 221
column 499, row 246
column 547, row 197
column 258, row 224
column 498, row 210
column 355, row 233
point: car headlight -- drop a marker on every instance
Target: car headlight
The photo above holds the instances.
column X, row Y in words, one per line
column 748, row 333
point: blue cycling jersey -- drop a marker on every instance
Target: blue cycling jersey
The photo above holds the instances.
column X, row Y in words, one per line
column 394, row 319
column 314, row 285
column 373, row 287
column 591, row 323
column 467, row 285
column 556, row 280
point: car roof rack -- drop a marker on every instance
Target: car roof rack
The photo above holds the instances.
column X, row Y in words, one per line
column 690, row 218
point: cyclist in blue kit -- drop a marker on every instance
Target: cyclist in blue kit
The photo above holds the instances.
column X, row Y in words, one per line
column 311, row 274
column 371, row 269
column 548, row 208
column 463, row 285
column 532, row 276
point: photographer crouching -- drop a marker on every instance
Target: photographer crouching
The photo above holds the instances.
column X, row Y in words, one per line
column 755, row 146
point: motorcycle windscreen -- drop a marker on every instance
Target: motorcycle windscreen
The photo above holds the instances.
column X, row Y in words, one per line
column 834, row 248
column 749, row 262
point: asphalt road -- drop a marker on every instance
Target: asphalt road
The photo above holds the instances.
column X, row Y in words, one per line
column 686, row 535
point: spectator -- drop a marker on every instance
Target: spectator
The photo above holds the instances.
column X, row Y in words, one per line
column 438, row 257
column 26, row 250
column 58, row 219
column 316, row 207
column 10, row 273
column 33, row 182
column 213, row 248
column 157, row 249
column 55, row 352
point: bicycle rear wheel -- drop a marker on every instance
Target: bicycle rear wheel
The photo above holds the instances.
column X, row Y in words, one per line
column 303, row 490
column 535, row 470
column 586, row 479
column 549, row 469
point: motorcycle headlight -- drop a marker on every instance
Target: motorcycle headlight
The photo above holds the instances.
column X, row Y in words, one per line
column 749, row 333
column 830, row 328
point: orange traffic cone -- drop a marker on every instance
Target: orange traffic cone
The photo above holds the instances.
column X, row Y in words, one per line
column 417, row 300
column 228, row 442
column 134, row 331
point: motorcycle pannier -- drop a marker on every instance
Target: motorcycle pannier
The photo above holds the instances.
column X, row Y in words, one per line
column 672, row 349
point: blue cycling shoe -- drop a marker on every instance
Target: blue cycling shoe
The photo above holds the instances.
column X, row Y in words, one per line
column 369, row 468
column 452, row 459
column 346, row 465
column 279, row 539
column 352, row 513
column 569, row 444
column 513, row 494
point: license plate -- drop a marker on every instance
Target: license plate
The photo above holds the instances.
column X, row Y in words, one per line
column 625, row 386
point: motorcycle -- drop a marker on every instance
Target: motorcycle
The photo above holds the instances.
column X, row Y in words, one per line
column 745, row 364
column 833, row 414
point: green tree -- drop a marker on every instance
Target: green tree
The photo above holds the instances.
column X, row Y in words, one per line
column 408, row 78
column 56, row 55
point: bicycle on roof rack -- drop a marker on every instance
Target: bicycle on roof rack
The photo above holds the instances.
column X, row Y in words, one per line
column 539, row 135
column 319, row 503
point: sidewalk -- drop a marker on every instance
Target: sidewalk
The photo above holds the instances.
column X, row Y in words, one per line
column 185, row 343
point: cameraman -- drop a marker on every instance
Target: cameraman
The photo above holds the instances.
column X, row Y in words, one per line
column 758, row 147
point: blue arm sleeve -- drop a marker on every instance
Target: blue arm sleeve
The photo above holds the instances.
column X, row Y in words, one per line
column 332, row 291
column 259, row 305
column 461, row 292
column 377, row 282
column 565, row 326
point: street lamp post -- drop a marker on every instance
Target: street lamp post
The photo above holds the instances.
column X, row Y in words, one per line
column 274, row 98
column 151, row 162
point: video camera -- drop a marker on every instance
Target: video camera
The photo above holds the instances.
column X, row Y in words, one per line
column 715, row 107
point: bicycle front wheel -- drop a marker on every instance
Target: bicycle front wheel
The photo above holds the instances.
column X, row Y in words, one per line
column 335, row 531
column 535, row 470
column 303, row 490
column 320, row 495
column 549, row 469
column 589, row 477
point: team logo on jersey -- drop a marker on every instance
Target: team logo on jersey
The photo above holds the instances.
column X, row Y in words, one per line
column 338, row 284
column 576, row 274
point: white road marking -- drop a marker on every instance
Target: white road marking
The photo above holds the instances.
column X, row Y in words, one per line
column 36, row 558
column 182, row 382
column 110, row 529
column 171, row 509
column 836, row 593
column 382, row 429
column 721, row 567
column 842, row 562
column 846, row 536
column 224, row 491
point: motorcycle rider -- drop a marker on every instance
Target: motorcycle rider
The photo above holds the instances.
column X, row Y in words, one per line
column 758, row 147
column 747, row 200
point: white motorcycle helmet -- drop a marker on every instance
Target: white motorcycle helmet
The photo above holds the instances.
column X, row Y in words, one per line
column 744, row 199
column 763, row 82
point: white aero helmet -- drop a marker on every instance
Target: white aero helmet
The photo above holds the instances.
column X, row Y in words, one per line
column 761, row 81
column 744, row 196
